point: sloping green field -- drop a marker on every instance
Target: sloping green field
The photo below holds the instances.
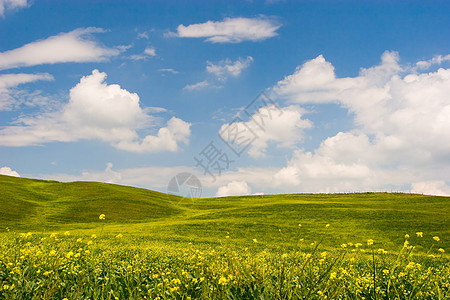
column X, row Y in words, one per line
column 48, row 206
column 53, row 245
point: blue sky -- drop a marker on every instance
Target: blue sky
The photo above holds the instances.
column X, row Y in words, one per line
column 133, row 92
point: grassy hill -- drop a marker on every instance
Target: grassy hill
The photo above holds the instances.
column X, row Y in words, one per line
column 38, row 205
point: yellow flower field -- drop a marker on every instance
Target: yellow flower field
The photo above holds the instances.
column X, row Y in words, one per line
column 114, row 266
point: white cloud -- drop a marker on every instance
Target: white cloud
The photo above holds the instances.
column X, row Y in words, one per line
column 231, row 30
column 13, row 80
column 234, row 188
column 74, row 46
column 8, row 171
column 148, row 52
column 9, row 81
column 142, row 35
column 438, row 187
column 270, row 124
column 221, row 71
column 337, row 165
column 169, row 70
column 436, row 60
column 151, row 51
column 401, row 135
column 167, row 139
column 11, row 4
column 226, row 68
column 99, row 111
column 197, row 86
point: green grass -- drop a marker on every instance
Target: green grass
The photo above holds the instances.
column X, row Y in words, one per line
column 151, row 246
column 47, row 206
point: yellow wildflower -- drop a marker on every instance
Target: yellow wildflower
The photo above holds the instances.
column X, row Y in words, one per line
column 101, row 217
column 119, row 236
column 441, row 250
column 419, row 234
column 369, row 242
column 436, row 238
column 223, row 281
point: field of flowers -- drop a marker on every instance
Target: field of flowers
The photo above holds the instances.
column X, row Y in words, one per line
column 87, row 240
column 106, row 265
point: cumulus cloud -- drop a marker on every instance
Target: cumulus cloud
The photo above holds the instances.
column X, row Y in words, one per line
column 11, row 4
column 74, row 46
column 8, row 171
column 283, row 127
column 8, row 82
column 167, row 139
column 234, row 188
column 148, row 52
column 231, row 30
column 401, row 134
column 226, row 68
column 99, row 111
column 436, row 60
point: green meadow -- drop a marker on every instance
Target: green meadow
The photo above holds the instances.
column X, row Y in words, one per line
column 55, row 245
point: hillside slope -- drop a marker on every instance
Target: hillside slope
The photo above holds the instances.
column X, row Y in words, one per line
column 45, row 204
column 37, row 205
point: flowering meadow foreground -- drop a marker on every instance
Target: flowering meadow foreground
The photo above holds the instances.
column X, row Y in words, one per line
column 87, row 240
column 105, row 266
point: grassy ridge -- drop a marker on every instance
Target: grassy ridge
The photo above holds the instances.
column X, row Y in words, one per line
column 27, row 203
column 37, row 205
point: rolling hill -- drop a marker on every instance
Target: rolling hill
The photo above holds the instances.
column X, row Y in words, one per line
column 47, row 206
